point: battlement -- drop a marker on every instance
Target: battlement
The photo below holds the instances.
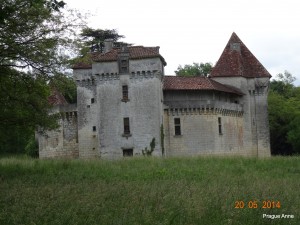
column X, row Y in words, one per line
column 68, row 111
column 146, row 74
column 96, row 79
column 69, row 115
column 225, row 109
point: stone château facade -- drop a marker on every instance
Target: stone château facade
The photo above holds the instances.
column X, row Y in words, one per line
column 124, row 101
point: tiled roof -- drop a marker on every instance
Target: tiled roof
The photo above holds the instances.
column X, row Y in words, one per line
column 135, row 52
column 196, row 83
column 81, row 65
column 237, row 60
column 56, row 98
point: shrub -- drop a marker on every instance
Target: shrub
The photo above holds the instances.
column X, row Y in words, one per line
column 148, row 152
column 32, row 147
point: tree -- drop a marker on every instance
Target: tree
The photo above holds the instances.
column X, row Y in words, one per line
column 286, row 77
column 280, row 115
column 65, row 84
column 284, row 115
column 36, row 39
column 293, row 135
column 197, row 69
column 283, row 84
column 24, row 106
column 35, row 35
column 92, row 40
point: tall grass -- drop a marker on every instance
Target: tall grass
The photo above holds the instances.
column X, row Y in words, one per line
column 148, row 190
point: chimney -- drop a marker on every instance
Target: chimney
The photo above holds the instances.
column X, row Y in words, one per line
column 108, row 45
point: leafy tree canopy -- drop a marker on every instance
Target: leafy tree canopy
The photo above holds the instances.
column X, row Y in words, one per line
column 92, row 40
column 197, row 69
column 24, row 106
column 65, row 85
column 284, row 115
column 283, row 84
column 35, row 35
column 36, row 39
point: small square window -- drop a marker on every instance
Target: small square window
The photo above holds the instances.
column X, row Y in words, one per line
column 235, row 46
column 128, row 152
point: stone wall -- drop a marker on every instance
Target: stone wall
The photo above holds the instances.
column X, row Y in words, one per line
column 256, row 123
column 62, row 142
column 87, row 120
column 204, row 132
column 143, row 108
column 101, row 109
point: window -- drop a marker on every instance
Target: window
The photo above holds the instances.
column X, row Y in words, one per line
column 127, row 152
column 126, row 125
column 235, row 46
column 220, row 125
column 125, row 92
column 177, row 126
column 94, row 128
column 92, row 100
column 124, row 66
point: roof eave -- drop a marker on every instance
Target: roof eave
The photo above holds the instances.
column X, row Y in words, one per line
column 206, row 89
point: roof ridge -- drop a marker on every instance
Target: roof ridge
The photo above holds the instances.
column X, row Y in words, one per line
column 135, row 52
column 209, row 80
column 177, row 83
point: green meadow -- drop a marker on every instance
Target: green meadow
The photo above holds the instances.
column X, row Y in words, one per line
column 199, row 190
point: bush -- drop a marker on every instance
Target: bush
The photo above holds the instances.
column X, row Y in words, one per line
column 32, row 147
column 148, row 152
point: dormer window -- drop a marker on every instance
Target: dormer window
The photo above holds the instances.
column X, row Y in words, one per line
column 235, row 46
column 123, row 66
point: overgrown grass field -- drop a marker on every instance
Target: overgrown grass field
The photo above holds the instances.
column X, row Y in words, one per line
column 202, row 190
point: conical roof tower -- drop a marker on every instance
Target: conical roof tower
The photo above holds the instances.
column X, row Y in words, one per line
column 237, row 60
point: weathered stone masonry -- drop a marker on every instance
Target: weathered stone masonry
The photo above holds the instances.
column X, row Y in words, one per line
column 64, row 141
column 124, row 99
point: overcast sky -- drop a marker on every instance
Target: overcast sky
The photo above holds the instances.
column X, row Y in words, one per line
column 190, row 31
